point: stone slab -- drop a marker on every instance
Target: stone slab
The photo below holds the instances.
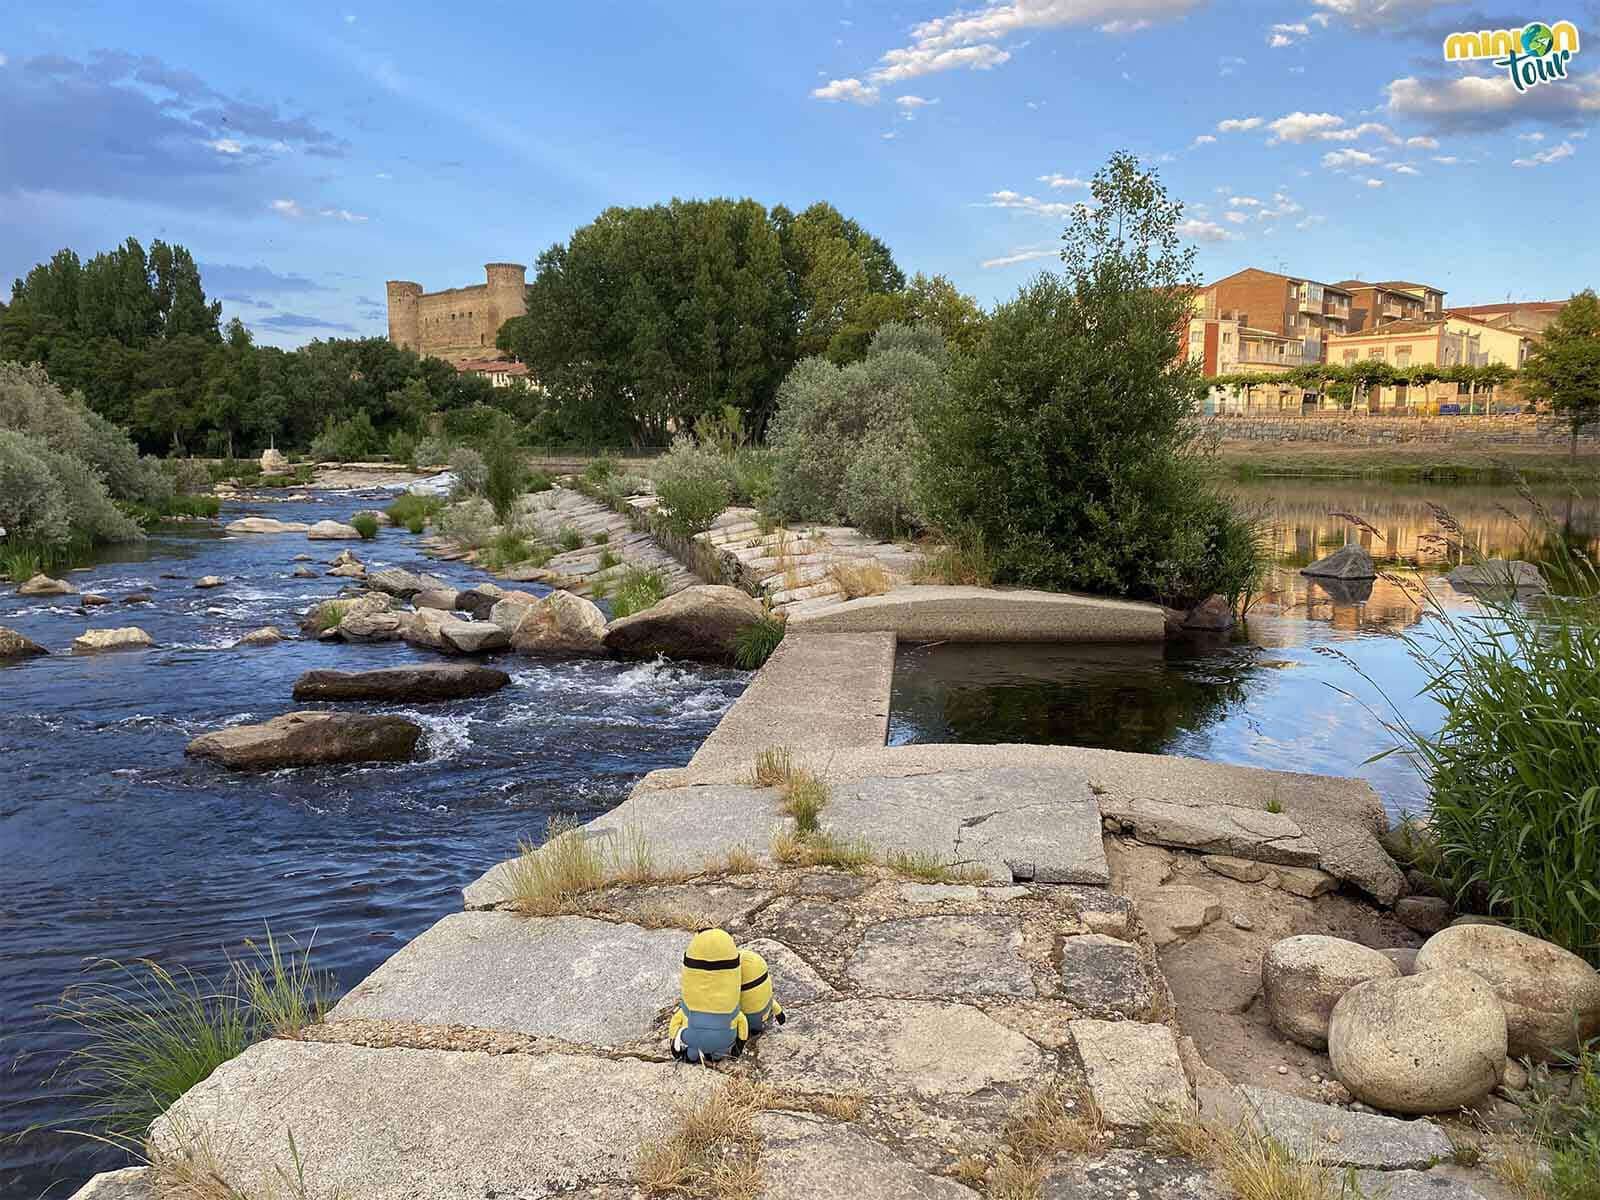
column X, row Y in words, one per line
column 794, row 980
column 812, row 924
column 822, row 693
column 1132, row 1175
column 927, row 1048
column 130, row 1183
column 719, row 904
column 1341, row 1138
column 940, row 613
column 940, row 893
column 806, row 1159
column 1225, row 829
column 1103, row 976
column 1134, row 1070
column 968, row 955
column 449, row 1125
column 1437, row 1184
column 572, row 978
column 1101, row 909
column 1173, row 910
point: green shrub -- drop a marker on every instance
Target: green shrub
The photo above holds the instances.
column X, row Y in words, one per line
column 346, row 441
column 692, row 484
column 468, row 522
column 637, row 591
column 413, row 511
column 538, row 481
column 470, row 470
column 608, row 559
column 189, row 478
column 843, row 438
column 601, row 538
column 1514, row 771
column 601, row 469
column 402, row 447
column 505, row 468
column 366, row 524
column 505, row 550
column 433, row 452
column 757, row 641
column 1064, row 439
column 50, row 498
column 569, row 538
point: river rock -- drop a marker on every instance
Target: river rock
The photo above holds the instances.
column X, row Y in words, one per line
column 303, row 557
column 329, row 614
column 1498, row 572
column 97, row 641
column 1425, row 914
column 1404, row 957
column 343, row 558
column 421, row 681
column 561, row 624
column 14, row 645
column 508, row 611
column 267, row 635
column 264, row 525
column 372, row 627
column 1347, row 562
column 1551, row 996
column 423, row 628
column 1303, row 977
column 138, row 598
column 701, row 622
column 333, row 531
column 394, row 581
column 1212, row 615
column 273, row 462
column 209, row 581
column 349, row 571
column 443, row 599
column 303, row 572
column 43, row 585
column 471, row 637
column 477, row 601
column 305, row 739
column 1422, row 1043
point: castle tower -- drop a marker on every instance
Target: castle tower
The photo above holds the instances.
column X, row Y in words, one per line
column 404, row 324
column 508, row 297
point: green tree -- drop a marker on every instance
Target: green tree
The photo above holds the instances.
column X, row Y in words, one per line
column 1064, row 443
column 1563, row 368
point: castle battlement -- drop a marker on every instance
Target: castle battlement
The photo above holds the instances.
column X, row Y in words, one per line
column 456, row 323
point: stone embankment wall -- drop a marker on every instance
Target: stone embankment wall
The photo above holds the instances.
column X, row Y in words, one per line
column 1360, row 429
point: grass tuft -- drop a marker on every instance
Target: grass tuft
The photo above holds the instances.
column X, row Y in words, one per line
column 822, row 849
column 637, row 591
column 711, row 1151
column 757, row 642
column 966, row 561
column 859, row 578
column 804, row 798
column 569, row 538
column 773, row 767
column 928, row 867
column 366, row 524
column 328, row 616
column 415, row 512
column 1255, row 1167
column 561, row 875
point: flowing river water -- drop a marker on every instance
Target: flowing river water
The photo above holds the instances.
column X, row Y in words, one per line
column 113, row 846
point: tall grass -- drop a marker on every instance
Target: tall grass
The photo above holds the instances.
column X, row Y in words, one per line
column 1514, row 772
column 366, row 524
column 638, row 590
column 414, row 512
column 147, row 1034
column 757, row 642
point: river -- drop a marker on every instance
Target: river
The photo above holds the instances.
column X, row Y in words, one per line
column 112, row 845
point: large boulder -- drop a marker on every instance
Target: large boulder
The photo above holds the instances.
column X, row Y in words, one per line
column 1304, row 976
column 471, row 637
column 43, row 585
column 477, row 601
column 273, row 462
column 509, row 611
column 209, row 581
column 1551, row 996
column 1212, row 615
column 423, row 628
column 306, row 739
column 372, row 627
column 396, row 582
column 1347, row 562
column 14, row 645
column 443, row 599
column 1497, row 573
column 333, row 531
column 267, row 635
column 327, row 616
column 1429, row 1042
column 702, row 622
column 264, row 525
column 349, row 571
column 421, row 681
column 100, row 641
column 561, row 624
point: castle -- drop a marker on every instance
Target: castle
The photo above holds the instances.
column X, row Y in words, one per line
column 457, row 323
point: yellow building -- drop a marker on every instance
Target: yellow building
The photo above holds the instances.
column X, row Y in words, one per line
column 1449, row 341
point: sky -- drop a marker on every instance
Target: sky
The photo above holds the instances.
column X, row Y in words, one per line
column 307, row 152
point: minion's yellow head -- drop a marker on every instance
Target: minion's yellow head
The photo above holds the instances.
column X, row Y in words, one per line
column 755, row 984
column 711, row 976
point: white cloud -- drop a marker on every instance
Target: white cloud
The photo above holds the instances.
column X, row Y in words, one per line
column 1286, row 203
column 1244, row 202
column 1023, row 254
column 1238, row 124
column 1278, row 41
column 1320, row 19
column 1063, row 181
column 1448, row 160
column 1544, row 157
column 1423, row 143
column 1207, row 231
column 1310, row 222
column 912, row 62
column 1481, row 103
column 294, row 211
column 1375, row 14
column 1374, row 183
column 1303, row 126
column 1401, row 168
column 890, row 136
column 1343, row 160
column 1365, row 129
column 349, row 18
column 1044, row 208
column 1530, row 137
column 342, row 214
column 3, row 60
column 1229, row 64
column 288, row 208
column 852, row 90
column 1205, row 139
column 226, row 146
column 913, row 101
column 1287, row 33
column 1238, row 218
column 383, row 175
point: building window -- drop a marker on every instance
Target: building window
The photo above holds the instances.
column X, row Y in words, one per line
column 1349, row 357
column 1402, row 356
column 1375, row 352
column 1227, row 339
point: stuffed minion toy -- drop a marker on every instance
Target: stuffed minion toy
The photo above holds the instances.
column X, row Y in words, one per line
column 755, row 993
column 709, row 1023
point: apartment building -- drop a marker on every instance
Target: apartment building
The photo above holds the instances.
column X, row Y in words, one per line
column 1530, row 316
column 1374, row 304
column 1445, row 342
column 1293, row 307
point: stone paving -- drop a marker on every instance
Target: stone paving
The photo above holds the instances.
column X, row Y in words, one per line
column 560, row 510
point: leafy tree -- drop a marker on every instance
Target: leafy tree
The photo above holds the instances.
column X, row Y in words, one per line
column 1563, row 368
column 1064, row 443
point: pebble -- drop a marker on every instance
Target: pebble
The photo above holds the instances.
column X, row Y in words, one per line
column 1240, row 921
column 1283, row 1070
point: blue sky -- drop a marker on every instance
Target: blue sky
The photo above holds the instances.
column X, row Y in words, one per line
column 307, row 152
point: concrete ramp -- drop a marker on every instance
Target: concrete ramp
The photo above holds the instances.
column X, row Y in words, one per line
column 938, row 613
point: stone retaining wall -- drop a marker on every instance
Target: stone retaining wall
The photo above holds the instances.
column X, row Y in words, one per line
column 1464, row 433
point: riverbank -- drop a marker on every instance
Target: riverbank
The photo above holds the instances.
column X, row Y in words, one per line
column 1412, row 462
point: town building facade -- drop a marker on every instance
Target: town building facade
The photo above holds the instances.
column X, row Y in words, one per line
column 1293, row 307
column 457, row 323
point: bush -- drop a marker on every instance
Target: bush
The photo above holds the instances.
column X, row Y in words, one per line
column 844, row 438
column 538, row 481
column 366, row 524
column 1514, row 817
column 346, row 441
column 470, row 471
column 189, row 478
column 638, row 590
column 403, row 447
column 413, row 511
column 432, row 452
column 1064, row 439
column 600, row 470
column 505, row 469
column 53, row 499
column 468, row 522
column 692, row 483
column 757, row 641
